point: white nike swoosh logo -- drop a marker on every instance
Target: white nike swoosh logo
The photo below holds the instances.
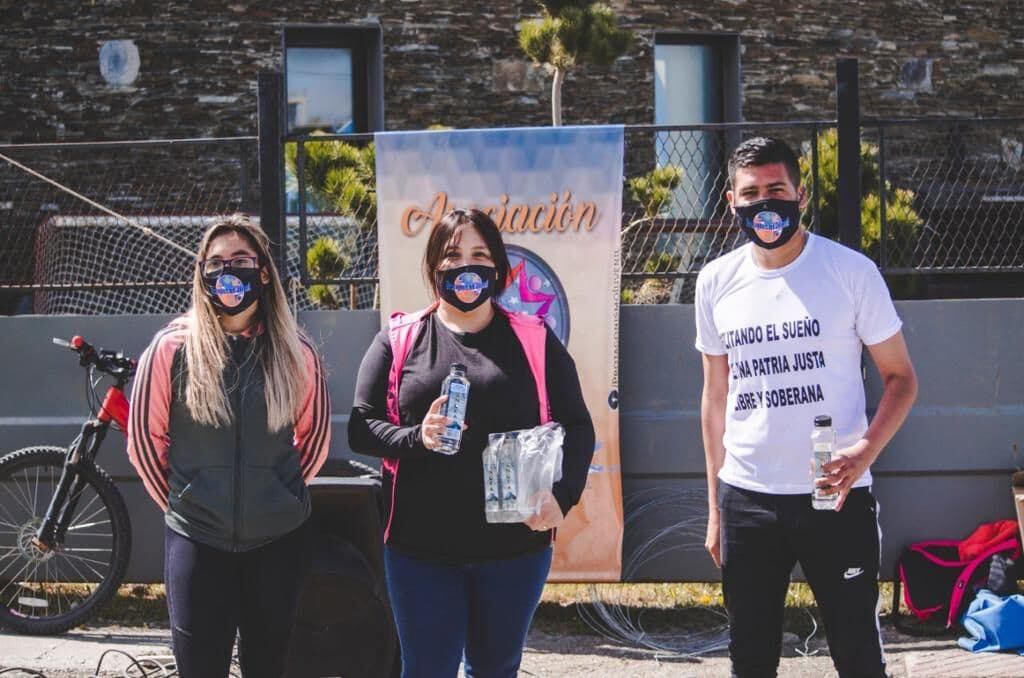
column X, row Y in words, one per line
column 853, row 572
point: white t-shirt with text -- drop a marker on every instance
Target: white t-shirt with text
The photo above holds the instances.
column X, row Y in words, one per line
column 793, row 337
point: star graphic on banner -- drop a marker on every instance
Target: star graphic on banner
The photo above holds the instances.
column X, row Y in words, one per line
column 521, row 279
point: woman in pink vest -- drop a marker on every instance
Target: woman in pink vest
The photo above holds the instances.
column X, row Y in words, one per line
column 460, row 587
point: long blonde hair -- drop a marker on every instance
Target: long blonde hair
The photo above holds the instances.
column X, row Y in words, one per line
column 206, row 345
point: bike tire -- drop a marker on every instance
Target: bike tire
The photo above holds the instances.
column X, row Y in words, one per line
column 50, row 460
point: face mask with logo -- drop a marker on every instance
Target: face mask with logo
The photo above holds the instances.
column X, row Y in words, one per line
column 466, row 287
column 234, row 290
column 769, row 223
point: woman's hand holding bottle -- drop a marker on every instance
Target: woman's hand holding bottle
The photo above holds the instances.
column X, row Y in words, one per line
column 434, row 424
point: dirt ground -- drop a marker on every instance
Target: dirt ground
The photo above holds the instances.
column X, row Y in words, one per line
column 550, row 656
column 547, row 655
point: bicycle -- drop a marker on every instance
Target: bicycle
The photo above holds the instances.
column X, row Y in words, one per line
column 65, row 534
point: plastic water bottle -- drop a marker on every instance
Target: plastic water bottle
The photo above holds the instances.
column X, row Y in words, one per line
column 456, row 387
column 508, row 474
column 492, row 482
column 823, row 439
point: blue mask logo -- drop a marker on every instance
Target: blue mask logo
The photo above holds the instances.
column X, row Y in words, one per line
column 769, row 226
column 468, row 286
column 230, row 290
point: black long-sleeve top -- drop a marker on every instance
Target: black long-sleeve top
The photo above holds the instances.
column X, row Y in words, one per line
column 438, row 510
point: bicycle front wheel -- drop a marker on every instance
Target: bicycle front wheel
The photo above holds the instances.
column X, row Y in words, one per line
column 50, row 590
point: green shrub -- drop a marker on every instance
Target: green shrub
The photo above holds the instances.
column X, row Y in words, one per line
column 653, row 191
column 326, row 259
column 902, row 221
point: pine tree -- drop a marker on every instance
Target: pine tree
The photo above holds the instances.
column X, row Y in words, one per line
column 571, row 33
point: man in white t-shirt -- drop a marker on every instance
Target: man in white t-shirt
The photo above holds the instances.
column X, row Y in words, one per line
column 781, row 323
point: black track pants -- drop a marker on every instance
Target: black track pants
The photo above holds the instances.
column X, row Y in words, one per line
column 763, row 537
column 211, row 594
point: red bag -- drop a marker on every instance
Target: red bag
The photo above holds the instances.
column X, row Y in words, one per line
column 938, row 582
column 986, row 536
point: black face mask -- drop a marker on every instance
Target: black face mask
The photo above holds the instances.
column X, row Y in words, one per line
column 466, row 287
column 769, row 223
column 234, row 290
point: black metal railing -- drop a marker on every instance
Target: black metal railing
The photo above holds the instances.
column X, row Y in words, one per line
column 675, row 216
column 937, row 196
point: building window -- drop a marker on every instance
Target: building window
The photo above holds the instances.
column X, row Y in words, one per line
column 320, row 95
column 334, row 78
column 696, row 81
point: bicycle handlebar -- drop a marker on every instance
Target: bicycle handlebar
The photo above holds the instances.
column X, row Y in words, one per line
column 114, row 363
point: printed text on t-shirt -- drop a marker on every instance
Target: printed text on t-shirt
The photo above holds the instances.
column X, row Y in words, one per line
column 759, row 334
column 775, row 364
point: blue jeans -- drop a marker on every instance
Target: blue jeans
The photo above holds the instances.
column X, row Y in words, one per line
column 482, row 610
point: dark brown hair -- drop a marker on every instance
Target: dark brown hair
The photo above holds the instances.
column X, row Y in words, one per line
column 443, row 232
column 764, row 151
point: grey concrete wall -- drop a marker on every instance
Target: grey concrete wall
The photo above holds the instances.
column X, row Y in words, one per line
column 42, row 399
column 945, row 472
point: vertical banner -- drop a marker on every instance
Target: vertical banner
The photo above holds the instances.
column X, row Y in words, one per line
column 556, row 194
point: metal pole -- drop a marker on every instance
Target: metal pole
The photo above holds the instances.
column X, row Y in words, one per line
column 815, row 202
column 300, row 171
column 883, row 225
column 848, row 122
column 271, row 136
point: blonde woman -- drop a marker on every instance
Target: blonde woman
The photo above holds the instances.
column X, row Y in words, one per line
column 230, row 420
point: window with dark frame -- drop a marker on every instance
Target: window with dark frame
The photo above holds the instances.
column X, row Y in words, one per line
column 334, row 82
column 696, row 81
column 334, row 78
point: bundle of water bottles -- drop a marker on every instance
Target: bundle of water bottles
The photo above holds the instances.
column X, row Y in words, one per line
column 519, row 468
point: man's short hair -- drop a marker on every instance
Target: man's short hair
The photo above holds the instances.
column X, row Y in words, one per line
column 758, row 151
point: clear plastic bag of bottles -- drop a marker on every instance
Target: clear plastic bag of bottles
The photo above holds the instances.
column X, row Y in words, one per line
column 519, row 467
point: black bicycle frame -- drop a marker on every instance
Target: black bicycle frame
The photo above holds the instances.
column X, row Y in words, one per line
column 60, row 514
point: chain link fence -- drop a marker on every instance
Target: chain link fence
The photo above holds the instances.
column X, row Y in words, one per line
column 63, row 251
column 944, row 196
column 331, row 186
column 675, row 214
column 937, row 196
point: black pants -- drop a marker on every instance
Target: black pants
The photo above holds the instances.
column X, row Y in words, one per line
column 763, row 537
column 211, row 594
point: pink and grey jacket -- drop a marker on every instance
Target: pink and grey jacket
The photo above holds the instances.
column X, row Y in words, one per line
column 402, row 331
column 232, row 487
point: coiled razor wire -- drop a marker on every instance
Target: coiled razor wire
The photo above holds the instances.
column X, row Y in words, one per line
column 621, row 624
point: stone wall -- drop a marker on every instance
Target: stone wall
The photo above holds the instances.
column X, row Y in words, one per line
column 459, row 63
